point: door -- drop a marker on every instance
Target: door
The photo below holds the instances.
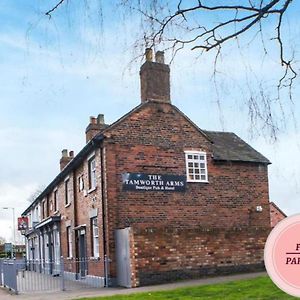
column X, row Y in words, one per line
column 50, row 249
column 123, row 257
column 82, row 254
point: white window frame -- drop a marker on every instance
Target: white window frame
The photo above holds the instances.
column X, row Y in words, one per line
column 81, row 183
column 67, row 191
column 92, row 172
column 192, row 160
column 55, row 198
column 69, row 241
column 95, row 237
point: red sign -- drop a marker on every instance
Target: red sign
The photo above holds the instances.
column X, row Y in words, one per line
column 22, row 223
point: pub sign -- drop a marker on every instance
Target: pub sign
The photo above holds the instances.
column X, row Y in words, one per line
column 153, row 182
column 22, row 223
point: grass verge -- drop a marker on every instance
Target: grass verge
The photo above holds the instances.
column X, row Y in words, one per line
column 260, row 288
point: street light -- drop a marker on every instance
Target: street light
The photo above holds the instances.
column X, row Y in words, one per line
column 14, row 230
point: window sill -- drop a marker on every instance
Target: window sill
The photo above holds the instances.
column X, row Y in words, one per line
column 92, row 190
column 56, row 212
column 67, row 205
column 197, row 181
column 95, row 258
column 69, row 258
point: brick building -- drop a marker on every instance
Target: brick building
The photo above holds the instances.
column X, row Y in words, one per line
column 276, row 214
column 158, row 196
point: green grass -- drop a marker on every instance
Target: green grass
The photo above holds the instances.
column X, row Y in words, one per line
column 260, row 288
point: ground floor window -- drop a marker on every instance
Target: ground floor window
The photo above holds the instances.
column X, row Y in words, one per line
column 95, row 237
column 69, row 241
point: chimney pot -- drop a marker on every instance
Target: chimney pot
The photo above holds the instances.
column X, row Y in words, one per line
column 71, row 154
column 160, row 57
column 155, row 79
column 100, row 119
column 64, row 153
column 65, row 158
column 149, row 54
column 93, row 120
column 95, row 126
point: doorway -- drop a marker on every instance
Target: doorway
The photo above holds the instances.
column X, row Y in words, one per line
column 123, row 257
column 82, row 253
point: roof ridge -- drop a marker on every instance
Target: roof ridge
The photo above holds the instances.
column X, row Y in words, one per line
column 218, row 131
column 278, row 208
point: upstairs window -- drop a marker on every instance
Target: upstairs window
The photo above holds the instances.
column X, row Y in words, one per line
column 81, row 183
column 92, row 173
column 67, row 192
column 44, row 209
column 196, row 166
column 55, row 200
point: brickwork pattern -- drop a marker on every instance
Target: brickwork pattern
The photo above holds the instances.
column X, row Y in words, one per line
column 153, row 140
column 167, row 254
column 276, row 215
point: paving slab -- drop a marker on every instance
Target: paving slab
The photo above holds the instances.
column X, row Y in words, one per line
column 98, row 292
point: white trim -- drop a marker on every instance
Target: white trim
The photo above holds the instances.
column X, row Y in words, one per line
column 67, row 178
column 69, row 242
column 95, row 237
column 191, row 152
column 92, row 189
column 67, row 194
column 80, row 180
column 194, row 151
column 92, row 173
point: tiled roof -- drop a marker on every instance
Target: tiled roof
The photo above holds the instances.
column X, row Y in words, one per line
column 227, row 146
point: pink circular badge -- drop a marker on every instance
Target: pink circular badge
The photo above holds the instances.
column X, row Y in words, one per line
column 282, row 255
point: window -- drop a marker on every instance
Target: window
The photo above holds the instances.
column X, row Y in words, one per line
column 67, row 192
column 95, row 237
column 55, row 200
column 69, row 241
column 196, row 166
column 44, row 209
column 80, row 183
column 92, row 173
column 37, row 217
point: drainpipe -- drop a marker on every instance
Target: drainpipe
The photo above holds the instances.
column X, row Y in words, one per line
column 75, row 238
column 104, row 215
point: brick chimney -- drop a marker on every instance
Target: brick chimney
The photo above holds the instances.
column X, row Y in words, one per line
column 65, row 158
column 95, row 126
column 155, row 78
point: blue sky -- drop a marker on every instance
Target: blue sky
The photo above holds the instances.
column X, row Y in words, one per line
column 56, row 73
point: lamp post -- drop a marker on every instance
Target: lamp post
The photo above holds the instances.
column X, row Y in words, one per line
column 14, row 229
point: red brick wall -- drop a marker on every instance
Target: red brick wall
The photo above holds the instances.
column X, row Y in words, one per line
column 153, row 140
column 166, row 254
column 276, row 215
column 84, row 203
column 190, row 225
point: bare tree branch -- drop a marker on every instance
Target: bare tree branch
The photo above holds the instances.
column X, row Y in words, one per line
column 50, row 11
column 181, row 24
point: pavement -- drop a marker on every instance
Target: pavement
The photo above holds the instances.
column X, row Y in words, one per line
column 94, row 292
